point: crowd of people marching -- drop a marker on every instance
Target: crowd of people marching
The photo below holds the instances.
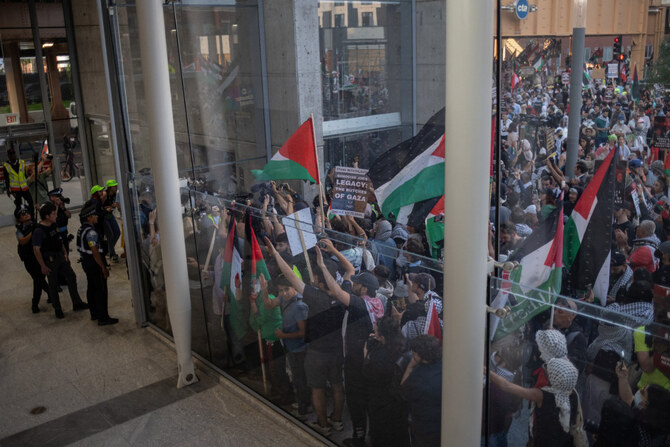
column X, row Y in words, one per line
column 349, row 329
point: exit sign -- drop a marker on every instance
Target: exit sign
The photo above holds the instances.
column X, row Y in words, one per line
column 9, row 119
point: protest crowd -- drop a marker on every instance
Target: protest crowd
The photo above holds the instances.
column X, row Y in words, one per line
column 339, row 301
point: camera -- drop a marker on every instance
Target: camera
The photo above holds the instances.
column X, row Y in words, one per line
column 66, row 200
column 322, row 245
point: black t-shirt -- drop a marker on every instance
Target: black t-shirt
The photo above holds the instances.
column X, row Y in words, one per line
column 359, row 326
column 324, row 321
column 48, row 239
column 62, row 219
column 26, row 250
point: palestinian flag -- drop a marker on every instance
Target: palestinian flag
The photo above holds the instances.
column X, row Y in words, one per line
column 232, row 264
column 539, row 64
column 588, row 233
column 433, row 322
column 666, row 165
column 296, row 159
column 586, row 77
column 258, row 265
column 435, row 227
column 635, row 91
column 536, row 281
column 415, row 214
column 419, row 177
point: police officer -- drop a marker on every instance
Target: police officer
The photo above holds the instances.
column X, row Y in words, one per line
column 63, row 215
column 16, row 182
column 24, row 235
column 53, row 259
column 88, row 245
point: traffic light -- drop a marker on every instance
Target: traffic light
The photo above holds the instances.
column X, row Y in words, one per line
column 622, row 57
column 616, row 48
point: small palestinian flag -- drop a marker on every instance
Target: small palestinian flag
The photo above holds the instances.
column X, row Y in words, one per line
column 435, row 227
column 296, row 159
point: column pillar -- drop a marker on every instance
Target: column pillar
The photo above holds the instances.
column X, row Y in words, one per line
column 153, row 50
column 469, row 47
column 15, row 86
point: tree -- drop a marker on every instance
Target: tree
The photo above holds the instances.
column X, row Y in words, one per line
column 659, row 72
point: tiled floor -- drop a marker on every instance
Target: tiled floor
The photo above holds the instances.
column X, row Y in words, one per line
column 112, row 385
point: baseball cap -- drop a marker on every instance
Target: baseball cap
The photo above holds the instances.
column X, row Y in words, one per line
column 635, row 163
column 96, row 188
column 424, row 280
column 368, row 280
column 618, row 259
column 87, row 210
column 665, row 248
column 110, row 183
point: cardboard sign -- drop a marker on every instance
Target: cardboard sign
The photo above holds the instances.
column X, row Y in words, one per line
column 350, row 193
column 296, row 223
column 598, row 73
column 613, row 71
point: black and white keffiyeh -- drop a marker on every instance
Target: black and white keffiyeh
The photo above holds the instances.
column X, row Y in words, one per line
column 552, row 344
column 563, row 377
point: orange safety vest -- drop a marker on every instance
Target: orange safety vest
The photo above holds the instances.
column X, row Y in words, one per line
column 17, row 180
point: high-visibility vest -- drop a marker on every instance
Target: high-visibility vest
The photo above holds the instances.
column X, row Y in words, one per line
column 17, row 180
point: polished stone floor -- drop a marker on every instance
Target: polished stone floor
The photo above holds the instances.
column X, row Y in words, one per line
column 111, row 385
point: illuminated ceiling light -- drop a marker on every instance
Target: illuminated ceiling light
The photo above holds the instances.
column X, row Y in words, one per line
column 47, row 44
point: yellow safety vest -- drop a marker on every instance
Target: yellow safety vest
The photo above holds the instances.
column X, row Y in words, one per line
column 17, row 180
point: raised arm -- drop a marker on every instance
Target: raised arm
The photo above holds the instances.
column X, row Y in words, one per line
column 267, row 302
column 335, row 289
column 286, row 269
column 349, row 269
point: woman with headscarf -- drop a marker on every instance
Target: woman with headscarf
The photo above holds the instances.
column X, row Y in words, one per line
column 554, row 407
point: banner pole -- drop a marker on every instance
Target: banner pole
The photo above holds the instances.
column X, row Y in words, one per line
column 320, row 183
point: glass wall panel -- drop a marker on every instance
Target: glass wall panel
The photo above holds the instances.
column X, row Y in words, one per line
column 366, row 66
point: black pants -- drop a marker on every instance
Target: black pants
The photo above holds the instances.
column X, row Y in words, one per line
column 303, row 394
column 59, row 266
column 39, row 280
column 96, row 290
column 19, row 196
column 356, row 395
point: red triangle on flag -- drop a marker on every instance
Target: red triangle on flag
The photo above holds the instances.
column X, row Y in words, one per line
column 300, row 148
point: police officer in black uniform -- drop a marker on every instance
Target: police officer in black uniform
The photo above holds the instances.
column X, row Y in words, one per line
column 54, row 260
column 24, row 235
column 63, row 216
column 89, row 246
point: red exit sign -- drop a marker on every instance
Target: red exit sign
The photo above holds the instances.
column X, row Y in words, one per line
column 9, row 119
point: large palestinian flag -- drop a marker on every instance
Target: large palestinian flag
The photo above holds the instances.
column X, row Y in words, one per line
column 536, row 281
column 296, row 159
column 588, row 234
column 413, row 170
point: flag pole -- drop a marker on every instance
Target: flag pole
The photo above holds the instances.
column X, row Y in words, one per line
column 304, row 252
column 260, row 352
column 318, row 172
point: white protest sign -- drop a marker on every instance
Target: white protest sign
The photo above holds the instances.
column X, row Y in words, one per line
column 304, row 221
column 613, row 71
column 636, row 199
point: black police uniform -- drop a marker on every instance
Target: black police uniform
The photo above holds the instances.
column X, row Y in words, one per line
column 49, row 241
column 96, row 292
column 27, row 255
